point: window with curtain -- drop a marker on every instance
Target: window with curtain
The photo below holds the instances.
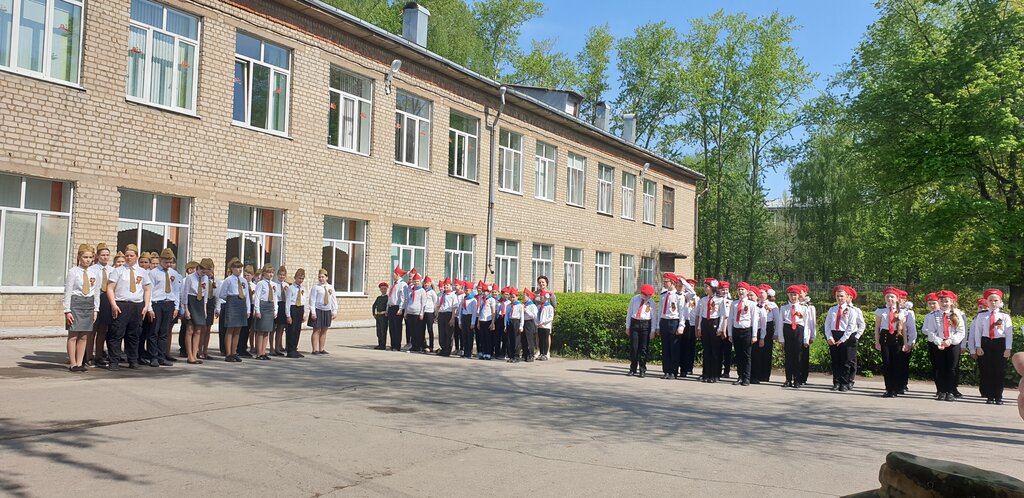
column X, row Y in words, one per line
column 546, row 160
column 163, row 44
column 462, row 146
column 668, row 207
column 408, row 248
column 541, row 262
column 153, row 222
column 605, row 184
column 348, row 123
column 510, row 162
column 628, row 194
column 255, row 235
column 649, row 192
column 42, row 38
column 506, row 263
column 573, row 270
column 261, row 84
column 603, row 272
column 35, row 232
column 647, row 271
column 575, row 172
column 458, row 255
column 412, row 131
column 344, row 254
column 627, row 274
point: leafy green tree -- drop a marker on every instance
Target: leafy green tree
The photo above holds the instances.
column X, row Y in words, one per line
column 650, row 63
column 543, row 66
column 592, row 63
column 500, row 24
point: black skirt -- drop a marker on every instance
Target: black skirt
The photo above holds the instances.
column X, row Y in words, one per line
column 322, row 321
column 282, row 314
column 105, row 316
column 197, row 311
column 211, row 310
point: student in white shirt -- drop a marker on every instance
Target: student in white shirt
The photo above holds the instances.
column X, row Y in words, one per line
column 792, row 332
column 295, row 300
column 396, row 301
column 839, row 330
column 81, row 305
column 945, row 329
column 265, row 308
column 467, row 318
column 668, row 326
column 446, row 304
column 764, row 352
column 95, row 353
column 743, row 320
column 514, row 327
column 323, row 309
column 429, row 312
column 485, row 323
column 234, row 291
column 890, row 339
column 992, row 343
column 129, row 293
column 529, row 325
column 710, row 329
column 277, row 347
column 166, row 297
column 545, row 319
column 688, row 324
column 643, row 311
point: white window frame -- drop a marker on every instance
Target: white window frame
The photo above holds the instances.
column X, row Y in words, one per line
column 258, row 236
column 546, row 171
column 649, row 201
column 506, row 265
column 334, row 243
column 647, row 271
column 628, row 196
column 627, row 274
column 270, row 98
column 602, row 272
column 573, row 270
column 575, row 180
column 48, row 29
column 540, row 264
column 406, row 119
column 669, row 207
column 509, row 177
column 147, row 63
column 605, row 186
column 458, row 263
column 357, row 118
column 139, row 224
column 39, row 213
column 459, row 142
column 402, row 249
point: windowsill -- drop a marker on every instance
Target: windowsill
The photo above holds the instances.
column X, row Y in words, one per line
column 172, row 110
column 668, row 228
column 649, row 223
column 610, row 215
column 349, row 151
column 575, row 205
column 460, row 178
column 349, row 294
column 413, row 166
column 31, row 290
column 545, row 199
column 261, row 130
column 507, row 191
column 41, row 77
column 628, row 218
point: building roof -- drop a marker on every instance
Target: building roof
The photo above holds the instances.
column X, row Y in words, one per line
column 574, row 93
column 359, row 28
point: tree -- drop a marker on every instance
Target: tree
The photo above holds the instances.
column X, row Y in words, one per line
column 650, row 63
column 592, row 63
column 500, row 24
column 543, row 66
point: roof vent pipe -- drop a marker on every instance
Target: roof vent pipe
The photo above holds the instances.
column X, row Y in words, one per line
column 629, row 128
column 414, row 23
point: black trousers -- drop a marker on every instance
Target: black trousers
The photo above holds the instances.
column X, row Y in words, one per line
column 529, row 339
column 181, row 334
column 499, row 346
column 741, row 343
column 160, row 337
column 669, row 346
column 726, row 349
column 544, row 343
column 805, row 363
column 467, row 335
column 126, row 327
column 145, row 335
column 687, row 350
column 762, row 356
column 639, row 338
column 837, row 355
column 851, row 359
column 395, row 328
column 444, row 332
column 892, row 350
column 712, row 364
column 428, row 324
column 484, row 336
column 382, row 331
column 414, row 328
column 795, row 351
column 993, row 367
column 457, row 330
column 295, row 329
column 513, row 342
column 945, row 362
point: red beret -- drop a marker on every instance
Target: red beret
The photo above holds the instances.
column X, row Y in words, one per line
column 891, row 290
column 990, row 292
column 723, row 284
column 851, row 291
column 764, row 287
column 671, row 276
column 399, row 271
column 932, row 296
column 804, row 288
column 647, row 289
column 793, row 289
column 382, row 284
column 494, row 287
column 711, row 281
column 529, row 294
column 902, row 294
column 480, row 284
column 691, row 281
column 946, row 294
column 982, row 303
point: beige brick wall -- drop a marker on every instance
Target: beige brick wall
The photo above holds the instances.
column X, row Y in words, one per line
column 98, row 140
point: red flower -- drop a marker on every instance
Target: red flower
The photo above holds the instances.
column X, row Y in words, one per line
column 183, row 65
column 135, row 50
column 277, row 91
column 398, row 126
column 64, row 28
column 362, row 115
column 237, row 80
column 334, row 106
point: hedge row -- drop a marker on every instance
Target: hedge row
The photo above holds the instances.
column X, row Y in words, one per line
column 593, row 326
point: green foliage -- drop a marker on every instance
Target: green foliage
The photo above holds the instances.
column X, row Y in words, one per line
column 543, row 66
column 500, row 23
column 593, row 62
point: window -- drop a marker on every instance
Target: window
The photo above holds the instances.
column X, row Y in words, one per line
column 162, row 47
column 255, row 235
column 462, row 146
column 628, row 192
column 603, row 272
column 412, row 131
column 573, row 270
column 408, row 248
column 668, row 207
column 35, row 232
column 574, row 180
column 546, row 171
column 542, row 262
column 510, row 162
column 649, row 190
column 647, row 270
column 153, row 222
column 348, row 121
column 605, row 184
column 458, row 255
column 42, row 38
column 261, row 84
column 344, row 254
column 506, row 263
column 627, row 274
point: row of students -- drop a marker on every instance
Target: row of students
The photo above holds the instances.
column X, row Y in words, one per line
column 500, row 325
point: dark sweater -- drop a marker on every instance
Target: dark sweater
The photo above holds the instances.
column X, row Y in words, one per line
column 380, row 307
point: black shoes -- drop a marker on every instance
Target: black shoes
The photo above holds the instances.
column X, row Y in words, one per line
column 956, row 394
column 165, row 363
column 737, row 382
column 788, row 384
column 843, row 388
column 835, row 387
column 113, row 366
column 132, row 365
column 643, row 373
column 170, row 359
column 295, row 355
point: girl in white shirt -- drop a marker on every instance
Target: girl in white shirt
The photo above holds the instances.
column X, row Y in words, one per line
column 81, row 305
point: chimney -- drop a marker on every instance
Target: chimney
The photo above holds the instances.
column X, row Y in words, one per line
column 414, row 23
column 629, row 128
column 601, row 115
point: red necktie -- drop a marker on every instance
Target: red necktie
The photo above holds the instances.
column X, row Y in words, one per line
column 413, row 301
column 992, row 324
column 792, row 315
column 839, row 316
column 639, row 309
column 711, row 303
column 664, row 308
column 739, row 310
column 892, row 321
column 464, row 304
column 945, row 325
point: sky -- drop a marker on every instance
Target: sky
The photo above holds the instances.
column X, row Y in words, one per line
column 829, row 31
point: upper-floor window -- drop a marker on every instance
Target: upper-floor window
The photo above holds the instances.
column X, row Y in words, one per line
column 605, row 184
column 42, row 38
column 163, row 44
column 510, row 162
column 348, row 122
column 668, row 207
column 628, row 195
column 575, row 172
column 546, row 171
column 412, row 131
column 649, row 192
column 262, row 74
column 462, row 146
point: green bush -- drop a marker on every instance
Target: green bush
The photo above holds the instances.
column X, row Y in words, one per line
column 594, row 326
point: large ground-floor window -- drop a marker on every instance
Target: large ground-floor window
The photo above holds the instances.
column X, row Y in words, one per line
column 255, row 235
column 153, row 222
column 344, row 254
column 35, row 232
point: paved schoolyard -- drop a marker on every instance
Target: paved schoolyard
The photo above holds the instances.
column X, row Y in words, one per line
column 362, row 422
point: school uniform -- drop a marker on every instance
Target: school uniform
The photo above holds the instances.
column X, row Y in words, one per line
column 940, row 329
column 642, row 312
column 743, row 320
column 446, row 302
column 710, row 311
column 295, row 300
column 129, row 294
column 467, row 317
column 805, row 359
column 839, row 327
column 282, row 308
column 725, row 346
column 484, row 320
column 500, row 345
column 456, row 331
column 513, row 331
column 528, row 329
column 165, row 299
column 82, row 297
column 852, row 345
column 322, row 305
column 688, row 341
column 793, row 331
column 396, row 301
column 414, row 309
column 380, row 315
column 903, row 364
column 892, row 339
column 429, row 314
column 993, row 335
column 234, row 291
column 545, row 319
column 104, row 317
column 668, row 326
column 266, row 304
column 763, row 356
